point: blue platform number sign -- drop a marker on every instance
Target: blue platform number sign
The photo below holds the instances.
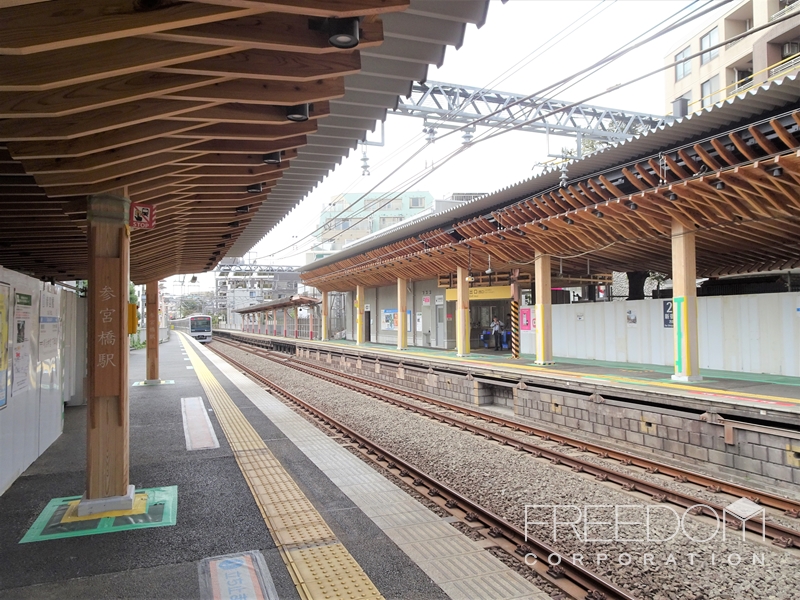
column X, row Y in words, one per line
column 669, row 319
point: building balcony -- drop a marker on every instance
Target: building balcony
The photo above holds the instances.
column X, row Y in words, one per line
column 785, row 11
column 790, row 64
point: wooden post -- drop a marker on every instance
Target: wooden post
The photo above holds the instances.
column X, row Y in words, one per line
column 543, row 308
column 462, row 312
column 324, row 323
column 107, row 431
column 402, row 318
column 360, row 314
column 283, row 318
column 151, row 295
column 684, row 304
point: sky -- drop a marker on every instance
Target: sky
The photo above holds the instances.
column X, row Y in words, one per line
column 513, row 32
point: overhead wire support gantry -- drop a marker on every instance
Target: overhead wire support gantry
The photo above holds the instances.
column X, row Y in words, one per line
column 438, row 103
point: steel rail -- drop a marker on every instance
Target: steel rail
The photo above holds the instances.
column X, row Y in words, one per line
column 780, row 535
column 596, row 586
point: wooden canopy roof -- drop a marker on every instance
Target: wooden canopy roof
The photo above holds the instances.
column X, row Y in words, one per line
column 296, row 300
column 174, row 104
column 739, row 190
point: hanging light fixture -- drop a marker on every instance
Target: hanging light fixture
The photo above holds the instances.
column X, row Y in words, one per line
column 254, row 189
column 343, row 33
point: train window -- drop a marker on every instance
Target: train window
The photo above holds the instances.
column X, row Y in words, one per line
column 201, row 324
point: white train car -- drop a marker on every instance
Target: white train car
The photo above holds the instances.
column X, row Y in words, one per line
column 197, row 326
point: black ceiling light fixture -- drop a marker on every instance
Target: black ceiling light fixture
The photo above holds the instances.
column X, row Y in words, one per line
column 233, row 224
column 719, row 184
column 297, row 113
column 243, row 209
column 226, row 236
column 193, row 279
column 272, row 158
column 776, row 171
column 568, row 221
column 672, row 196
column 254, row 189
column 543, row 227
column 631, row 205
column 597, row 214
column 222, row 245
column 343, row 33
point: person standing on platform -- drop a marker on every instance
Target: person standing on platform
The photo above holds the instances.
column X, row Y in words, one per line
column 497, row 332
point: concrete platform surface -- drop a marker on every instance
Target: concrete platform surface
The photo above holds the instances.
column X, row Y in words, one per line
column 217, row 513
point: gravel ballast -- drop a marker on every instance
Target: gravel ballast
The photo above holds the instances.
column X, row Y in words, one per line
column 683, row 567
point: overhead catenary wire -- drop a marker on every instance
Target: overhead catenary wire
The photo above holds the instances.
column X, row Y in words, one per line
column 562, row 85
column 410, row 245
column 572, row 27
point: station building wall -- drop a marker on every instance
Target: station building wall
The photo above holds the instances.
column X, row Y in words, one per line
column 32, row 418
column 427, row 334
column 756, row 333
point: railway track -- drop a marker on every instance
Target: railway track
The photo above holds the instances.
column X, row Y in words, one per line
column 571, row 577
column 780, row 535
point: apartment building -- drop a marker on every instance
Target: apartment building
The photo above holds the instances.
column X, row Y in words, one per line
column 350, row 217
column 714, row 75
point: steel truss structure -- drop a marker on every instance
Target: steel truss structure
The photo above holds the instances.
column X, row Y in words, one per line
column 438, row 103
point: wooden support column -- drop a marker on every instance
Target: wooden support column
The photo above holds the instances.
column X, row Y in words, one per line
column 544, row 313
column 360, row 295
column 324, row 324
column 462, row 312
column 684, row 299
column 283, row 318
column 402, row 317
column 107, row 432
column 151, row 303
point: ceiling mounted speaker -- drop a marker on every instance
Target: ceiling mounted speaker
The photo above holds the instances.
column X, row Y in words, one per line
column 297, row 113
column 343, row 33
column 273, row 158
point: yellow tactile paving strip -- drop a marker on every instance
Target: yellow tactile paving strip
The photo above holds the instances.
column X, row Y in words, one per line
column 319, row 564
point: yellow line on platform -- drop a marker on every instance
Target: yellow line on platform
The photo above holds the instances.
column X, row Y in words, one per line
column 319, row 564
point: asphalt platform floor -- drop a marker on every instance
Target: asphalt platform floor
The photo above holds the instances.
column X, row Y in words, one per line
column 217, row 514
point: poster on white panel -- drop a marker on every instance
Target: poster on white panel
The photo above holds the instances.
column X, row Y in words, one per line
column 21, row 358
column 4, row 304
column 48, row 324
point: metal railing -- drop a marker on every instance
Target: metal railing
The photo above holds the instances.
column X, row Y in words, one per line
column 791, row 63
column 785, row 11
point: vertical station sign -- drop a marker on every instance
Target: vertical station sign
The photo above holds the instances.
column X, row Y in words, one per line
column 109, row 328
column 142, row 216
